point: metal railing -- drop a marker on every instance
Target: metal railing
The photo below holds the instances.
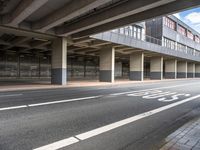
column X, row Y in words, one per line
column 143, row 37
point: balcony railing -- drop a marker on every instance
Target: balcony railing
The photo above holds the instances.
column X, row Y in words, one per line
column 143, row 37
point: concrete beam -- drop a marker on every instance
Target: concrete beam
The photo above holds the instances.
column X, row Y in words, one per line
column 26, row 33
column 170, row 69
column 191, row 70
column 107, row 65
column 144, row 15
column 122, row 10
column 67, row 12
column 59, row 61
column 23, row 10
column 137, row 66
column 17, row 41
column 182, row 69
column 197, row 70
column 156, row 68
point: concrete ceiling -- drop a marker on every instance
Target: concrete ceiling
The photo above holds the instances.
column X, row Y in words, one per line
column 80, row 18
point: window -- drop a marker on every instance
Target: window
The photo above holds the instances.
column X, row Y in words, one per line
column 169, row 23
column 197, row 39
column 190, row 35
column 181, row 30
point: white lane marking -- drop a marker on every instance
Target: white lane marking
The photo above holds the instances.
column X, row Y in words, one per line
column 112, row 126
column 59, row 144
column 97, row 131
column 78, row 99
column 49, row 103
column 166, row 87
column 11, row 95
column 14, row 107
column 64, row 101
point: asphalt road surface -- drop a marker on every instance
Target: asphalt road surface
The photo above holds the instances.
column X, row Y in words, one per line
column 121, row 117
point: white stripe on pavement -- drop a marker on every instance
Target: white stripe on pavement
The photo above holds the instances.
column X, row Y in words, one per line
column 14, row 107
column 64, row 101
column 49, row 103
column 59, row 144
column 11, row 95
column 85, row 98
column 95, row 132
column 166, row 87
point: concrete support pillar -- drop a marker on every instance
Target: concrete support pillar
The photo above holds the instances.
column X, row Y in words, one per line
column 191, row 70
column 182, row 69
column 170, row 69
column 59, row 61
column 197, row 70
column 156, row 68
column 137, row 66
column 107, row 65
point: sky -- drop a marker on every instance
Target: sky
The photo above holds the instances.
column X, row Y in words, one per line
column 190, row 17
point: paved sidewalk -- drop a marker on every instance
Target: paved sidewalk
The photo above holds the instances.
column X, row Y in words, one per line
column 14, row 86
column 185, row 138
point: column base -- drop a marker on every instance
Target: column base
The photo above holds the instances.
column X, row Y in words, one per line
column 105, row 76
column 156, row 75
column 59, row 76
column 136, row 75
column 181, row 75
column 170, row 75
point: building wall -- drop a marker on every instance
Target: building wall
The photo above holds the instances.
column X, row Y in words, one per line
column 14, row 65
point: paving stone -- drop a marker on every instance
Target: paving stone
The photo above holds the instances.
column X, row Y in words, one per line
column 185, row 138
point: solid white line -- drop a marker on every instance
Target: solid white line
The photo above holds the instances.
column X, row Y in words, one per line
column 166, row 87
column 95, row 132
column 11, row 95
column 64, row 101
column 59, row 144
column 112, row 126
column 14, row 107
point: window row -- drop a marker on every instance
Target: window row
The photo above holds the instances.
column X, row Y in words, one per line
column 180, row 29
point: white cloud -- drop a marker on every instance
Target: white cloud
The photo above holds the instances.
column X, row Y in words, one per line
column 193, row 18
column 177, row 15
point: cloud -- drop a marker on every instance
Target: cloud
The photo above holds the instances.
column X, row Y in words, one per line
column 193, row 18
column 177, row 15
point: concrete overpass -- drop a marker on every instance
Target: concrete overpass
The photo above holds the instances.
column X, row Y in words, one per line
column 54, row 27
column 83, row 17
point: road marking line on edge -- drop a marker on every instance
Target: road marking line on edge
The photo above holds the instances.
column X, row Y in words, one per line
column 11, row 95
column 166, row 87
column 100, row 130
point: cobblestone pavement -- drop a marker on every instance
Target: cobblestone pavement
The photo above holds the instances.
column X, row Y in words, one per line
column 185, row 138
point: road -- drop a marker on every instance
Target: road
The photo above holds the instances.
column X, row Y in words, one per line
column 121, row 117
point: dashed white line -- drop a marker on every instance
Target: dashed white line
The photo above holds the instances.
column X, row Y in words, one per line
column 50, row 103
column 98, row 131
column 64, row 101
column 14, row 107
column 59, row 144
column 11, row 95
